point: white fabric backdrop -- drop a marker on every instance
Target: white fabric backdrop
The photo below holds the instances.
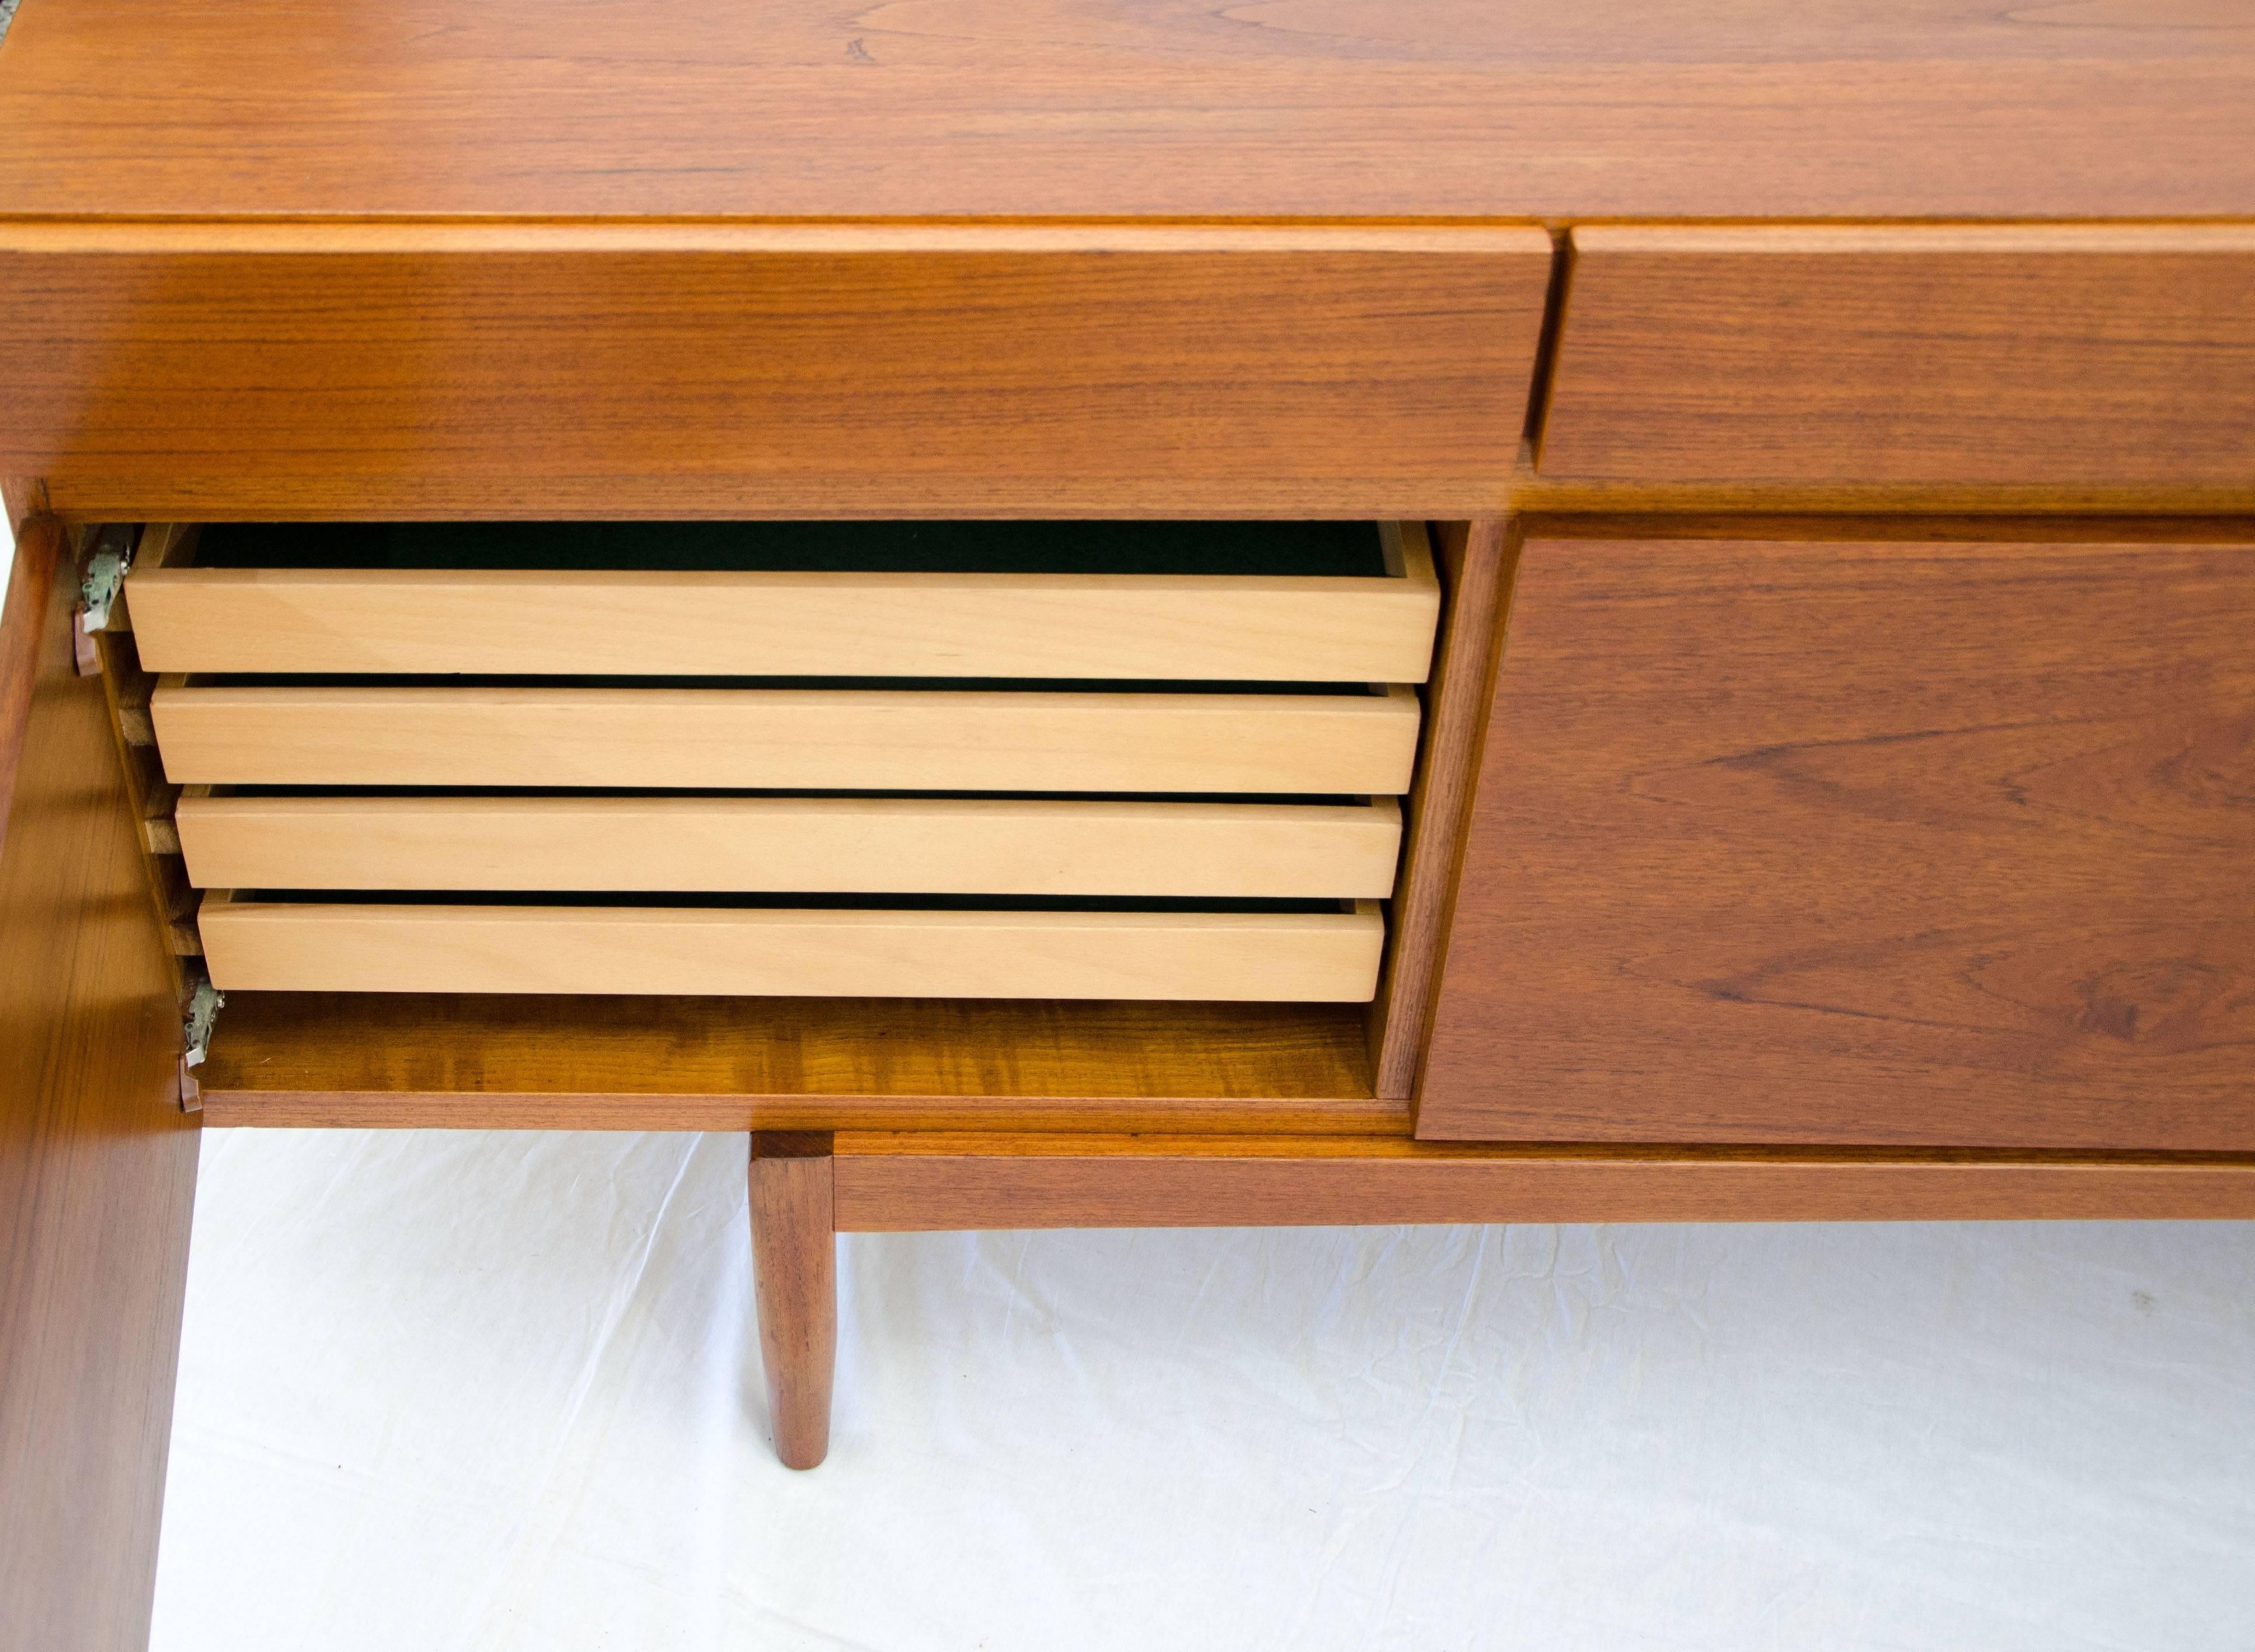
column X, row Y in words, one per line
column 468, row 1391
column 491, row 1392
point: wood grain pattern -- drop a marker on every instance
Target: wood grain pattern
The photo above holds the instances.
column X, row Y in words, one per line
column 1478, row 557
column 2050, row 356
column 889, row 1183
column 423, row 370
column 1081, row 108
column 384, row 1061
column 32, row 575
column 652, row 622
column 97, row 1161
column 285, row 945
column 788, row 738
column 805, row 844
column 1859, row 841
column 794, row 1277
column 22, row 498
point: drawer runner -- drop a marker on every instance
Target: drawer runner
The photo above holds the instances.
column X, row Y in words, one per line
column 688, row 951
column 902, row 739
column 1044, row 846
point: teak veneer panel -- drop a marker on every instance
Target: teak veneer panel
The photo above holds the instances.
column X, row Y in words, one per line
column 97, row 1160
column 358, row 1061
column 2065, row 357
column 893, row 846
column 889, row 1183
column 35, row 569
column 659, row 623
column 1104, row 107
column 1898, row 842
column 1478, row 555
column 715, row 370
column 886, row 739
column 284, row 946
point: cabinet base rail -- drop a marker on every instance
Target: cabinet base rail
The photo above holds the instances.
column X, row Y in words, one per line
column 806, row 1188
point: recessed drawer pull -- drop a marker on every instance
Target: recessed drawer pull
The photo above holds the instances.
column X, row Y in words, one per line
column 1353, row 744
column 891, row 845
column 339, row 947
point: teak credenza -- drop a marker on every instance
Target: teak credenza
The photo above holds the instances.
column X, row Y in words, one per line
column 1084, row 614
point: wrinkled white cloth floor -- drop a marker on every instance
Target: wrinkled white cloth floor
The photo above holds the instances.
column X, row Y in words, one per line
column 473, row 1391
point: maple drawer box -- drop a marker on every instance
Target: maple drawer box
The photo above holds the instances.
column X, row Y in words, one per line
column 1062, row 761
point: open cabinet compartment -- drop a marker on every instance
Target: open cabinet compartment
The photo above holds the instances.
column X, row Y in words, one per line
column 737, row 823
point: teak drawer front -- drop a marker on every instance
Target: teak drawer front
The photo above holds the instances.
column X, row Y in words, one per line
column 321, row 947
column 672, row 370
column 2067, row 358
column 788, row 738
column 1902, row 842
column 888, row 845
column 1211, row 627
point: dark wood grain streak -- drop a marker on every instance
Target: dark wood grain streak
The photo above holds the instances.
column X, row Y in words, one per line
column 97, row 1163
column 892, row 1183
column 1078, row 108
column 1474, row 559
column 795, row 1276
column 375, row 1061
column 687, row 370
column 1907, row 842
column 2059, row 357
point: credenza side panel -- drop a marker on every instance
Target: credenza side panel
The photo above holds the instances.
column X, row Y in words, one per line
column 1903, row 843
column 97, row 1160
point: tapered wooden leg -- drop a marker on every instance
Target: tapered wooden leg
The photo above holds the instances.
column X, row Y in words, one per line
column 795, row 1276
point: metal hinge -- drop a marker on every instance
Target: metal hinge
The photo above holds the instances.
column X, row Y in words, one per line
column 203, row 1009
column 204, row 1000
column 106, row 568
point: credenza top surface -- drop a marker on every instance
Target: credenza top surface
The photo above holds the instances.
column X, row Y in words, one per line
column 1111, row 108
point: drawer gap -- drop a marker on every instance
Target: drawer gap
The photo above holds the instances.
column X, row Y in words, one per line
column 1295, row 549
column 1287, row 800
column 782, row 900
column 771, row 684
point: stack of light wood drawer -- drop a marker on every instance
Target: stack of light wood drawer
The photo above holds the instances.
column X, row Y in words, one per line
column 895, row 760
